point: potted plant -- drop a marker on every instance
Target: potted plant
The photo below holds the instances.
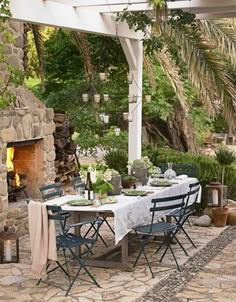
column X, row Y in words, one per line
column 100, row 177
column 141, row 168
column 225, row 157
column 116, row 182
column 128, row 181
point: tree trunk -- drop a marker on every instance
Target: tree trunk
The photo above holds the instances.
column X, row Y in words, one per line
column 181, row 131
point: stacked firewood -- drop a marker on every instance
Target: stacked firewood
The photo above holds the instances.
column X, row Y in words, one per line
column 65, row 148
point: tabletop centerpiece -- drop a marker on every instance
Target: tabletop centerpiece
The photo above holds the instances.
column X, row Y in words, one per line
column 142, row 168
column 101, row 178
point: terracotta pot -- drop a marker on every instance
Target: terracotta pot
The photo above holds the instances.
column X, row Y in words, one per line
column 220, row 216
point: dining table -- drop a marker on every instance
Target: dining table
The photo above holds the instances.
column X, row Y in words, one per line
column 127, row 212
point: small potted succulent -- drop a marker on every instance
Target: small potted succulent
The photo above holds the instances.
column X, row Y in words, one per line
column 225, row 157
column 128, row 181
column 140, row 168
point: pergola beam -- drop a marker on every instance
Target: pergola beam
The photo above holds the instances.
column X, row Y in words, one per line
column 55, row 14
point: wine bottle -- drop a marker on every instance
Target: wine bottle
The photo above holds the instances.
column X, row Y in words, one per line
column 88, row 188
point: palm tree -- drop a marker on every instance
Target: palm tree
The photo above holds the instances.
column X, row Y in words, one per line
column 207, row 48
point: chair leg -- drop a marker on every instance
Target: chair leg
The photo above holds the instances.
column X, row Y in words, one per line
column 182, row 228
column 187, row 235
column 144, row 253
column 82, row 265
column 172, row 252
column 174, row 236
column 165, row 241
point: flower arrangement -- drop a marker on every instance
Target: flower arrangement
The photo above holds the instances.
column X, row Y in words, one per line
column 100, row 177
column 144, row 163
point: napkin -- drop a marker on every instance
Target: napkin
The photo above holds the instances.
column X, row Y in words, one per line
column 182, row 176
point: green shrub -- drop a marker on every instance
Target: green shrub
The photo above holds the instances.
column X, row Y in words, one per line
column 117, row 160
column 207, row 167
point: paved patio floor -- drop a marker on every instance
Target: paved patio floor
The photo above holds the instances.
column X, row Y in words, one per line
column 218, row 276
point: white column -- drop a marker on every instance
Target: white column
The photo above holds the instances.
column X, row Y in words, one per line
column 133, row 50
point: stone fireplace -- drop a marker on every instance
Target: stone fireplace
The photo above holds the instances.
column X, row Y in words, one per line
column 26, row 140
column 26, row 137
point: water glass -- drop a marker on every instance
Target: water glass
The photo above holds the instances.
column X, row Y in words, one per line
column 139, row 185
column 79, row 191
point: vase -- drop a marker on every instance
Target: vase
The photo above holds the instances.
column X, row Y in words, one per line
column 170, row 173
column 101, row 196
column 116, row 182
column 140, row 174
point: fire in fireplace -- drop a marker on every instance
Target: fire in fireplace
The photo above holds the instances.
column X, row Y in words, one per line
column 13, row 177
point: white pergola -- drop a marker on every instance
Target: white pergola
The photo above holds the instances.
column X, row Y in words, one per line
column 97, row 16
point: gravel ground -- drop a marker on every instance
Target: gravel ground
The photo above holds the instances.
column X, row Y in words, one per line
column 167, row 289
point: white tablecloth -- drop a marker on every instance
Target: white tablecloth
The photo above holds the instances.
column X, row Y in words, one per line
column 128, row 211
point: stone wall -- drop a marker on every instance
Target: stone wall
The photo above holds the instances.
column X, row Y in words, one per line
column 26, row 119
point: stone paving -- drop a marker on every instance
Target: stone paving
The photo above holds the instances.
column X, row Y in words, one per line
column 18, row 284
column 216, row 282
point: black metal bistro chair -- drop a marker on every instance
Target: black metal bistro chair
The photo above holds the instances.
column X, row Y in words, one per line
column 77, row 183
column 188, row 169
column 169, row 230
column 190, row 208
column 68, row 242
column 51, row 191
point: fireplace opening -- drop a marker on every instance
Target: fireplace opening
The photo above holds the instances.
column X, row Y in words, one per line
column 24, row 169
column 15, row 180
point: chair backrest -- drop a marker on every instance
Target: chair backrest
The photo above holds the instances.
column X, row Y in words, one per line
column 52, row 190
column 77, row 182
column 55, row 214
column 188, row 169
column 192, row 196
column 167, row 204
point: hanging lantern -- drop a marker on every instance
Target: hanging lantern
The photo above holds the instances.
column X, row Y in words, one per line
column 9, row 247
column 130, row 117
column 148, row 98
column 125, row 116
column 85, row 97
column 97, row 98
column 106, row 119
column 216, row 194
column 132, row 99
column 102, row 76
column 130, row 78
column 101, row 116
column 106, row 97
column 117, row 131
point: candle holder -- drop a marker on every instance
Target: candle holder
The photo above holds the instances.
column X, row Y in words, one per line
column 216, row 194
column 101, row 116
column 117, row 131
column 130, row 117
column 97, row 98
column 102, row 76
column 132, row 99
column 85, row 97
column 130, row 78
column 125, row 116
column 9, row 247
column 106, row 119
column 106, row 97
column 148, row 98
